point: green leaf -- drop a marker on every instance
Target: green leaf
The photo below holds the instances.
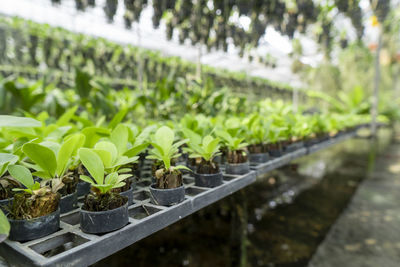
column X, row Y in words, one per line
column 43, row 175
column 111, row 178
column 105, row 156
column 118, row 118
column 42, row 156
column 92, row 163
column 67, row 150
column 181, row 167
column 67, row 116
column 109, row 147
column 86, row 179
column 164, row 138
column 22, row 174
column 136, row 150
column 5, row 160
column 4, row 227
column 119, row 137
column 13, row 121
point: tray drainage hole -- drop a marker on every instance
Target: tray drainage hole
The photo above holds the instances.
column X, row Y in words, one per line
column 58, row 244
column 142, row 212
column 72, row 219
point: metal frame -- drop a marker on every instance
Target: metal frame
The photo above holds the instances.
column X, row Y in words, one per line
column 70, row 246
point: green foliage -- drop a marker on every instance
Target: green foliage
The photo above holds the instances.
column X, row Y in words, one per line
column 5, row 160
column 164, row 148
column 207, row 149
column 52, row 160
column 24, row 176
column 232, row 142
column 4, row 227
column 94, row 163
column 13, row 121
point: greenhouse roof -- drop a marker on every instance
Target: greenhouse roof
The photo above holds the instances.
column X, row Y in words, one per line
column 94, row 23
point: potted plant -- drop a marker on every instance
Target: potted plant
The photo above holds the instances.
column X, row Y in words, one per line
column 6, row 182
column 35, row 211
column 257, row 136
column 53, row 163
column 207, row 173
column 237, row 161
column 103, row 210
column 298, row 129
column 115, row 160
column 168, row 188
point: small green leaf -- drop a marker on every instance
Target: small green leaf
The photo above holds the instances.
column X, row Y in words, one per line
column 86, row 179
column 22, row 174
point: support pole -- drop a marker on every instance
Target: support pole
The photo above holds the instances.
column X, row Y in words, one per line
column 198, row 65
column 140, row 70
column 375, row 95
column 295, row 100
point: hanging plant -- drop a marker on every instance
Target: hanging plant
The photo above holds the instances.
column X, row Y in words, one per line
column 81, row 5
column 110, row 9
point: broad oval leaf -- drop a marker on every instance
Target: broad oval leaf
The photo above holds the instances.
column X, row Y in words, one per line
column 14, row 121
column 93, row 164
column 109, row 147
column 42, row 156
column 22, row 174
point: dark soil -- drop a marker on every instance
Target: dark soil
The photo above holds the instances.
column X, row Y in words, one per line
column 70, row 180
column 237, row 156
column 6, row 185
column 103, row 202
column 26, row 206
column 258, row 148
column 168, row 179
column 126, row 187
column 207, row 167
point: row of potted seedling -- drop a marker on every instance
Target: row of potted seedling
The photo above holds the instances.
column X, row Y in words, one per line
column 40, row 178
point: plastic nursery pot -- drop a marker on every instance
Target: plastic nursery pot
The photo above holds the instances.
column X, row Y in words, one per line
column 82, row 188
column 237, row 169
column 129, row 194
column 208, row 180
column 275, row 152
column 294, row 146
column 69, row 202
column 167, row 197
column 98, row 222
column 258, row 157
column 5, row 203
column 25, row 230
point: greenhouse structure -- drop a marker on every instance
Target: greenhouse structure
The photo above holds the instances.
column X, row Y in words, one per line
column 200, row 133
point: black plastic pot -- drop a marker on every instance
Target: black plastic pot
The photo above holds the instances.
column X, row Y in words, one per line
column 275, row 153
column 128, row 194
column 294, row 146
column 208, row 180
column 25, row 230
column 97, row 222
column 258, row 157
column 69, row 202
column 167, row 197
column 5, row 203
column 237, row 169
column 82, row 188
column 311, row 142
